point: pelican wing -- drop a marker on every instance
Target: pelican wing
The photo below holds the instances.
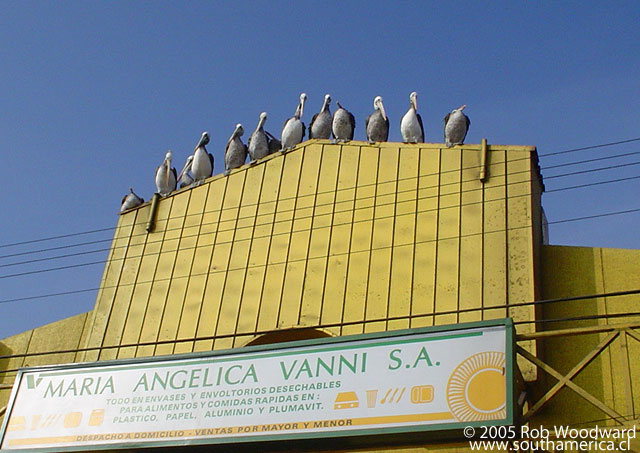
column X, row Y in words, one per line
column 313, row 120
column 421, row 127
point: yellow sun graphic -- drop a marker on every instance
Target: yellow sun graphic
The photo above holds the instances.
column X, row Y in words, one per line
column 476, row 390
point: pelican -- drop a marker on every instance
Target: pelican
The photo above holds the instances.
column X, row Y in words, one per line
column 377, row 123
column 275, row 145
column 236, row 152
column 411, row 124
column 294, row 129
column 166, row 176
column 320, row 126
column 456, row 126
column 344, row 123
column 130, row 200
column 185, row 178
column 258, row 141
column 202, row 166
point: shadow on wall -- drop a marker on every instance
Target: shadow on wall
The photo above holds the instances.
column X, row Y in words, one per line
column 289, row 335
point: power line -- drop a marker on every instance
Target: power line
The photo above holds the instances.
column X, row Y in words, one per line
column 316, row 205
column 603, row 145
column 419, row 176
column 20, row 299
column 330, row 226
column 361, row 321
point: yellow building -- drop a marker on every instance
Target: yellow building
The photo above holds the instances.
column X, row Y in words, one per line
column 330, row 240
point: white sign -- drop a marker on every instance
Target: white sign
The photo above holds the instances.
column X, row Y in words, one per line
column 413, row 380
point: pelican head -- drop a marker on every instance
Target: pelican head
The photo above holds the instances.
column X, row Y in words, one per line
column 377, row 104
column 168, row 157
column 413, row 99
column 459, row 109
column 186, row 168
column 239, row 130
column 204, row 139
column 327, row 101
column 262, row 120
column 300, row 109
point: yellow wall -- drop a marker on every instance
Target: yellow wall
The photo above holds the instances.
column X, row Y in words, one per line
column 349, row 238
column 62, row 335
column 338, row 236
column 578, row 271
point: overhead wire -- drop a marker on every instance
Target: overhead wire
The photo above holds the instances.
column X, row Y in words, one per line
column 434, row 174
column 232, row 228
column 360, row 322
column 157, row 280
column 319, row 205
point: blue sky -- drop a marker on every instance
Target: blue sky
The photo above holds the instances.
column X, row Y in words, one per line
column 94, row 93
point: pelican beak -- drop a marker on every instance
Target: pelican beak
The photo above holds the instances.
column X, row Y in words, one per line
column 463, row 107
column 302, row 101
column 384, row 114
column 187, row 166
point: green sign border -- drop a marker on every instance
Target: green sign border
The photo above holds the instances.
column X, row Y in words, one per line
column 226, row 355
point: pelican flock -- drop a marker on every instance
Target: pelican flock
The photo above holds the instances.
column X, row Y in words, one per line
column 340, row 126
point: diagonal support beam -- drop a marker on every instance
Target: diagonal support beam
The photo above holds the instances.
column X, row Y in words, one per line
column 632, row 333
column 565, row 380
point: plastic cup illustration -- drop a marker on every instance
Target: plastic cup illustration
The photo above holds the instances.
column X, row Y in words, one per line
column 372, row 397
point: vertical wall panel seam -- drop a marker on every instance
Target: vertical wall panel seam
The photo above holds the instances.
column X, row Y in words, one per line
column 373, row 227
column 313, row 214
column 227, row 270
column 506, row 234
column 173, row 268
column 415, row 237
column 482, row 244
column 293, row 218
column 346, row 278
column 253, row 230
column 100, row 292
column 204, row 207
column 115, row 292
column 246, row 267
column 393, row 235
column 193, row 259
column 268, row 248
column 331, row 228
column 153, row 280
column 459, row 263
column 79, row 342
column 213, row 246
column 437, row 240
column 135, row 284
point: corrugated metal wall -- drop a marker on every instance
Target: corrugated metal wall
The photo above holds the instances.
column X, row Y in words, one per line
column 349, row 237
